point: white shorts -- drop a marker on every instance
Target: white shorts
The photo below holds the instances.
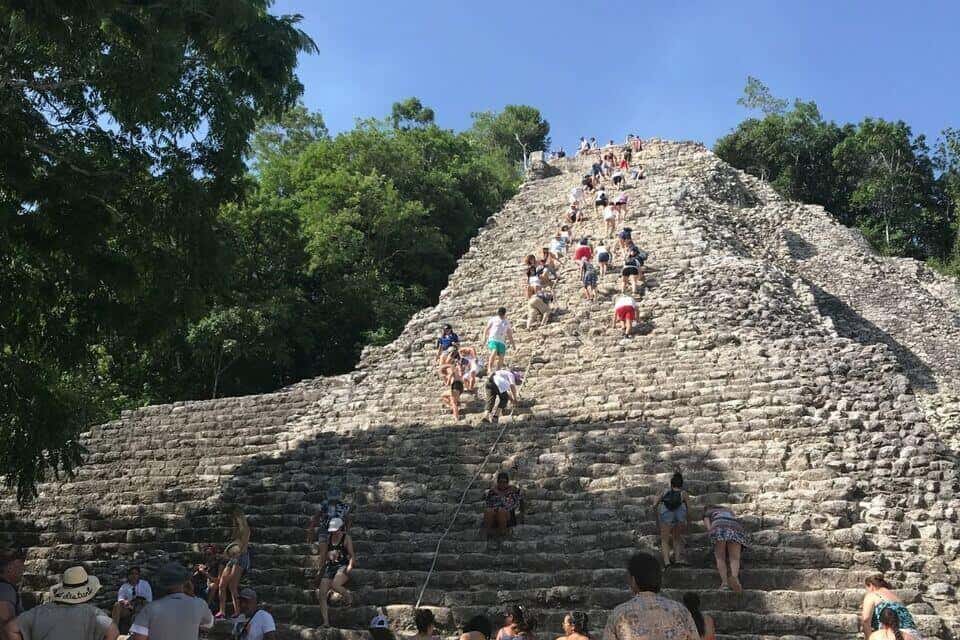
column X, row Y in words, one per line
column 534, row 281
column 609, row 215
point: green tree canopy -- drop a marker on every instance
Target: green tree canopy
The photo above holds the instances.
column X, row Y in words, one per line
column 875, row 175
column 516, row 131
column 125, row 127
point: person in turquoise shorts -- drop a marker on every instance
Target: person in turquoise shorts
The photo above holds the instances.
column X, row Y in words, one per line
column 497, row 334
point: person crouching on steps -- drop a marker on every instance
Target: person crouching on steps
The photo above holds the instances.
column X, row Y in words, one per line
column 501, row 388
column 502, row 502
column 672, row 511
column 539, row 308
column 339, row 560
column 625, row 313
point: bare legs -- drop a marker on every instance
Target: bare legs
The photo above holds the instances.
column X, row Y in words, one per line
column 728, row 553
column 733, row 555
column 720, row 553
column 495, row 521
column 230, row 583
column 671, row 539
column 452, row 399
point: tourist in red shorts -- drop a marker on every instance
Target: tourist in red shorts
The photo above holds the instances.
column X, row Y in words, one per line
column 625, row 313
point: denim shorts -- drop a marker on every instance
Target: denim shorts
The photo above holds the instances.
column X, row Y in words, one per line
column 675, row 517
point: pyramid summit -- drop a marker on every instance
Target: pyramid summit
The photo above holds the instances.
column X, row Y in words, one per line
column 787, row 369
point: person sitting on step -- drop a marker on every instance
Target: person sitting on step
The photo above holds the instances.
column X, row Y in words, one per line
column 453, row 381
column 133, row 595
column 879, row 597
column 518, row 624
column 504, row 503
column 672, row 508
column 557, row 246
column 576, row 626
column 624, row 313
column 237, row 556
column 501, row 389
column 729, row 537
column 705, row 624
column 339, row 560
column 477, row 628
column 497, row 334
column 425, row 622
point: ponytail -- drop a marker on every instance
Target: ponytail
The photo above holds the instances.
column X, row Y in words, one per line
column 580, row 622
column 890, row 619
column 692, row 602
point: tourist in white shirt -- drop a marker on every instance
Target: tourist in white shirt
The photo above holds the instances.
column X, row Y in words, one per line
column 496, row 335
column 256, row 624
column 624, row 313
column 131, row 597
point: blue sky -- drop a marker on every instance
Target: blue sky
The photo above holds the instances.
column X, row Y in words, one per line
column 668, row 69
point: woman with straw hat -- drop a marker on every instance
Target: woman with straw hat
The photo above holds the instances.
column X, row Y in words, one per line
column 68, row 616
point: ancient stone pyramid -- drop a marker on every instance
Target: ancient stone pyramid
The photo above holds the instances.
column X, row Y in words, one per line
column 781, row 364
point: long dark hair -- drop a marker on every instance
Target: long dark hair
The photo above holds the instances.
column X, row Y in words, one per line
column 692, row 602
column 889, row 618
column 521, row 621
column 580, row 622
column 480, row 624
column 676, row 481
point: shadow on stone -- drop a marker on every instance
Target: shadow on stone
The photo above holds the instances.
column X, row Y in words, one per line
column 798, row 247
column 851, row 324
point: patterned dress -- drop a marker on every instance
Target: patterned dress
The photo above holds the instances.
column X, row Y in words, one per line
column 724, row 527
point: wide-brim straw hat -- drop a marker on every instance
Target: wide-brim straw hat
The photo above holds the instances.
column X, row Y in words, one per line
column 75, row 586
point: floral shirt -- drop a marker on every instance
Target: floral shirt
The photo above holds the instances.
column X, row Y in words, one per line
column 507, row 500
column 648, row 616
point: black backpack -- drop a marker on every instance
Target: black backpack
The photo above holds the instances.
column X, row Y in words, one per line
column 672, row 499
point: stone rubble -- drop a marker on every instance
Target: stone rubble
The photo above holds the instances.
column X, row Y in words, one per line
column 781, row 364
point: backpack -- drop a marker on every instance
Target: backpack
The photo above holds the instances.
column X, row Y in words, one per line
column 672, row 499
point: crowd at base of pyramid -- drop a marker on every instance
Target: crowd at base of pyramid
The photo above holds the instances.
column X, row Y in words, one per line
column 190, row 599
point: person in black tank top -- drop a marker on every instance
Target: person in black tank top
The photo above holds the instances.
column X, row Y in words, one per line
column 339, row 559
column 671, row 509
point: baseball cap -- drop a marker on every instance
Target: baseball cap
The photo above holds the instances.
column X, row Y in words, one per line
column 335, row 524
column 248, row 594
column 379, row 622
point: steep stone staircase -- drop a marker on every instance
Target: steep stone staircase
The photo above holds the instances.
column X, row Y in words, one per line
column 743, row 374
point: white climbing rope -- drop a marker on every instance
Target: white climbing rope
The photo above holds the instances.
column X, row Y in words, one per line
column 483, row 464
